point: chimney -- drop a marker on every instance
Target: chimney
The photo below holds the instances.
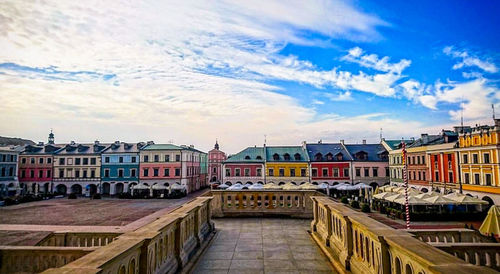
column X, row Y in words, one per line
column 364, row 142
column 40, row 143
column 117, row 143
column 150, row 143
column 425, row 138
column 342, row 141
column 72, row 143
column 191, row 146
column 304, row 145
column 96, row 142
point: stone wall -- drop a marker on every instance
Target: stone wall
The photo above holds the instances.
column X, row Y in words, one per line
column 358, row 244
column 78, row 239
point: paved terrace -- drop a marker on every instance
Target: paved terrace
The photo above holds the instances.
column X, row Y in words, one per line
column 263, row 245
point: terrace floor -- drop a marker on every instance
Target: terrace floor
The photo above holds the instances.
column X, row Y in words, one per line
column 263, row 245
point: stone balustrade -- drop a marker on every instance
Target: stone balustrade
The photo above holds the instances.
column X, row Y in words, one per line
column 484, row 254
column 78, row 239
column 449, row 236
column 35, row 259
column 291, row 203
column 358, row 244
column 165, row 245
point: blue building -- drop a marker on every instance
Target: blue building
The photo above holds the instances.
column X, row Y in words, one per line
column 9, row 183
column 120, row 167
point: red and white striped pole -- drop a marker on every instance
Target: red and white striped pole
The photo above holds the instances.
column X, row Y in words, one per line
column 405, row 180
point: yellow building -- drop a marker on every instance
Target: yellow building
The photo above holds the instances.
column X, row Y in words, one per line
column 480, row 162
column 287, row 164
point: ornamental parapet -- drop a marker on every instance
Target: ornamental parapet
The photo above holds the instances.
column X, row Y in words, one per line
column 355, row 243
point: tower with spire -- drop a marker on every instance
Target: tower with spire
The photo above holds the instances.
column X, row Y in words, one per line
column 51, row 137
column 216, row 145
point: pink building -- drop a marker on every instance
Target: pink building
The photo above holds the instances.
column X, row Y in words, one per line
column 370, row 164
column 215, row 159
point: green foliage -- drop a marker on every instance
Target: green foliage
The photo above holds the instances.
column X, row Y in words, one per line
column 355, row 204
column 365, row 208
column 344, row 200
column 72, row 196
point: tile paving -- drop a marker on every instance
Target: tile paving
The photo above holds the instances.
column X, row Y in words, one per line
column 263, row 245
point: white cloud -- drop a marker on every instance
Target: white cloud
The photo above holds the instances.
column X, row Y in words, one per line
column 317, row 102
column 340, row 96
column 468, row 60
column 356, row 55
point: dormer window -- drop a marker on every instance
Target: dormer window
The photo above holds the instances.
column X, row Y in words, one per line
column 339, row 157
column 258, row 158
column 287, row 157
column 361, row 155
column 296, row 156
column 247, row 157
column 329, row 157
column 276, row 156
column 318, row 157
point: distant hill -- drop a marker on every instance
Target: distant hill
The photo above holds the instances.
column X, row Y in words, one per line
column 9, row 141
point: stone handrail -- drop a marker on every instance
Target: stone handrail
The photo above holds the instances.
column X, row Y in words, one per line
column 165, row 245
column 449, row 236
column 35, row 259
column 484, row 254
column 358, row 244
column 78, row 239
column 291, row 203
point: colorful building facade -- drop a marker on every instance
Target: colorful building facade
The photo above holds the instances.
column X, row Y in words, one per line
column 395, row 159
column 369, row 164
column 9, row 183
column 329, row 163
column 245, row 167
column 286, row 164
column 120, row 167
column 215, row 162
column 36, row 167
column 77, row 168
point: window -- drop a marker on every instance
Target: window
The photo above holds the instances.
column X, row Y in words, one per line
column 386, row 172
column 48, row 173
column 302, row 172
column 467, row 178
column 23, row 160
column 423, row 175
column 488, row 179
column 32, row 160
column 474, row 159
column 77, row 161
column 70, row 161
column 61, row 173
column 93, row 161
column 423, row 160
column 120, row 160
column 247, row 172
column 85, row 161
column 271, row 172
column 11, row 171
column 85, row 174
column 476, row 179
column 177, row 158
column 155, row 172
column 324, row 172
column 375, row 172
column 106, row 173
column 335, row 172
column 318, row 157
column 367, row 172
column 450, row 177
column 436, row 176
column 296, row 156
column 286, row 157
column 228, row 172
column 23, row 173
column 106, row 159
column 237, row 172
column 486, row 157
column 247, row 157
column 177, row 172
column 32, row 174
column 259, row 172
column 157, row 158
column 314, row 172
column 276, row 157
column 282, row 172
column 167, row 158
column 358, row 172
column 346, row 172
column 258, row 157
column 133, row 159
column 466, row 159
column 166, row 172
column 145, row 172
column 418, row 160
column 292, row 172
column 77, row 173
column 120, row 173
column 49, row 160
column 61, row 161
column 449, row 161
column 146, row 158
column 3, row 171
column 40, row 160
column 132, row 172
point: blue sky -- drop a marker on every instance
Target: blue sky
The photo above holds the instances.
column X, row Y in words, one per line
column 190, row 71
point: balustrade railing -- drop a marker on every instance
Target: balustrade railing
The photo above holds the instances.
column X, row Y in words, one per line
column 78, row 239
column 355, row 242
column 449, row 236
column 484, row 254
column 162, row 246
column 291, row 203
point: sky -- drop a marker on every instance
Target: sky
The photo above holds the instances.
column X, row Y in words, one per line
column 241, row 72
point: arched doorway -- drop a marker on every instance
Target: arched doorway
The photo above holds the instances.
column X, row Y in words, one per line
column 213, row 179
column 61, row 189
column 315, row 183
column 130, row 186
column 489, row 200
column 76, row 189
column 92, row 189
column 46, row 187
column 374, row 185
column 281, row 183
column 106, row 188
column 118, row 188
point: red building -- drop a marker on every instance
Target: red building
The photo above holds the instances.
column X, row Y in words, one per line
column 215, row 159
column 36, row 165
column 443, row 166
column 330, row 163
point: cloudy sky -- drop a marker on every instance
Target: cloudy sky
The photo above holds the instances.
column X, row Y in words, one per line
column 189, row 72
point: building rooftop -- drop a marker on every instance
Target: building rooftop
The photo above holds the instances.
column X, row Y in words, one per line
column 249, row 154
column 40, row 149
column 335, row 150
column 279, row 154
column 121, row 147
column 371, row 152
column 73, row 148
column 396, row 144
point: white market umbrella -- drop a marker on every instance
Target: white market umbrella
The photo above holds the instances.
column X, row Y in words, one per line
column 362, row 186
column 383, row 195
column 223, row 186
column 412, row 200
column 256, row 186
column 440, row 200
column 394, row 197
column 464, row 199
